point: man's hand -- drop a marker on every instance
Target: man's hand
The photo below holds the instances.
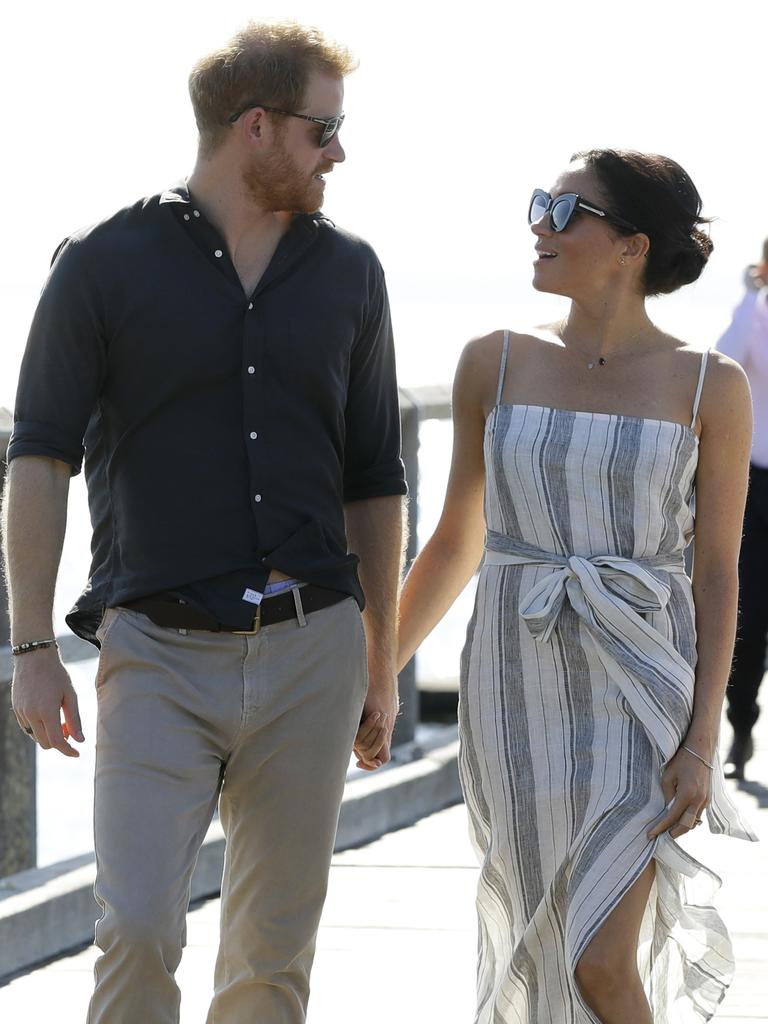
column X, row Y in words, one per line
column 374, row 736
column 375, row 532
column 42, row 693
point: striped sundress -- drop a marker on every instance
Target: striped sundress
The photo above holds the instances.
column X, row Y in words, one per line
column 576, row 687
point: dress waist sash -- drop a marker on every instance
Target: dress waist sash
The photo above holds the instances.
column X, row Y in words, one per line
column 611, row 596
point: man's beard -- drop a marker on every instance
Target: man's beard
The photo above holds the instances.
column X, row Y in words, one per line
column 276, row 184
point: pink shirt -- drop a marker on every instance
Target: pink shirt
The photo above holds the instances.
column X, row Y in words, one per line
column 746, row 341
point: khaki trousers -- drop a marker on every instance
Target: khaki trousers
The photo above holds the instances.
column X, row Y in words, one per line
column 264, row 724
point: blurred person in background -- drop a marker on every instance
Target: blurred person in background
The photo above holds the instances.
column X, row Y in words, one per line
column 746, row 341
column 593, row 675
column 227, row 352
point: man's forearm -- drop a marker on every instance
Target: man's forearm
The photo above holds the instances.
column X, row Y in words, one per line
column 375, row 531
column 34, row 523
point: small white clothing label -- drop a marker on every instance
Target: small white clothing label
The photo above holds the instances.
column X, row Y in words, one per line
column 252, row 596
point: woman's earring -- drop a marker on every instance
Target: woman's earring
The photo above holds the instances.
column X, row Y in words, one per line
column 622, row 261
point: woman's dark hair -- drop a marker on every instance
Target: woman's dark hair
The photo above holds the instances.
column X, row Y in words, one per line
column 655, row 194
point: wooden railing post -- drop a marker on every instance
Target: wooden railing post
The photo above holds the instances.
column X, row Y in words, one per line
column 18, row 804
column 405, row 729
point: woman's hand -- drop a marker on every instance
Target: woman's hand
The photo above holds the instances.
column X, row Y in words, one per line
column 687, row 786
column 374, row 735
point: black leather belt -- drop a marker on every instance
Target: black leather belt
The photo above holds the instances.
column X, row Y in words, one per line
column 174, row 613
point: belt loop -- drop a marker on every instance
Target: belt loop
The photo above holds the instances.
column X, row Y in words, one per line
column 299, row 606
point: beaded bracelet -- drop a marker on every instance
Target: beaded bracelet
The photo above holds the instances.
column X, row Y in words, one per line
column 699, row 757
column 33, row 645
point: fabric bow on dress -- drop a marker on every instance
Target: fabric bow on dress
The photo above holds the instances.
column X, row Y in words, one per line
column 611, row 595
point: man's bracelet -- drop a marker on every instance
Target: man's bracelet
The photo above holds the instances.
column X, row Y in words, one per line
column 33, row 645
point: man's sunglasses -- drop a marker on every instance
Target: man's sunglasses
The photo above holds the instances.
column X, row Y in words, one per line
column 330, row 125
column 562, row 209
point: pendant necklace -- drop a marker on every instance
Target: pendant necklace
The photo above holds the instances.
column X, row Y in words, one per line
column 601, row 360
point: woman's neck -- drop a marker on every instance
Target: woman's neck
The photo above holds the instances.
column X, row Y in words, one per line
column 607, row 330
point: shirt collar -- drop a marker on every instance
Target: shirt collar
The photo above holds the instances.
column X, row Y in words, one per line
column 179, row 193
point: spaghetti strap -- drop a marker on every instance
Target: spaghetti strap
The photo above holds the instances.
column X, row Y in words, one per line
column 502, row 367
column 699, row 386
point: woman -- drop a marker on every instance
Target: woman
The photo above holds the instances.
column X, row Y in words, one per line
column 588, row 744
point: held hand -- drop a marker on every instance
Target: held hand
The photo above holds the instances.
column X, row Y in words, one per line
column 374, row 736
column 686, row 785
column 41, row 694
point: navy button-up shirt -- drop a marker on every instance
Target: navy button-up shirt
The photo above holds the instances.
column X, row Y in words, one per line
column 222, row 432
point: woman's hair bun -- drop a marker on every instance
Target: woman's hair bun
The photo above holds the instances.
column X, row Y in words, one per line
column 655, row 194
column 688, row 262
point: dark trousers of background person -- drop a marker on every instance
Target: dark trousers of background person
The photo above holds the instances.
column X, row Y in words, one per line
column 752, row 635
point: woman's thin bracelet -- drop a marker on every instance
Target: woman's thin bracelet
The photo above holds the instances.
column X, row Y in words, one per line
column 699, row 757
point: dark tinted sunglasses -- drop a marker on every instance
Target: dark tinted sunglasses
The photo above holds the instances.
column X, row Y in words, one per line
column 562, row 209
column 330, row 125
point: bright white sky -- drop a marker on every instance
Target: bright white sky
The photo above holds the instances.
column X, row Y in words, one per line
column 457, row 111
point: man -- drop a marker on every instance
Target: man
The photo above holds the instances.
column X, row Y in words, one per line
column 226, row 352
column 746, row 341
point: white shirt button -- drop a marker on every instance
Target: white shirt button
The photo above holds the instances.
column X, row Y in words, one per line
column 218, row 253
column 250, row 305
column 251, row 369
column 186, row 216
column 254, row 435
column 196, row 213
column 257, row 497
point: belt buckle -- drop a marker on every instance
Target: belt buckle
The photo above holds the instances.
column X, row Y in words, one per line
column 255, row 628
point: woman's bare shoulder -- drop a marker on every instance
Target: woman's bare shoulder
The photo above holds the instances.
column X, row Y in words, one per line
column 477, row 375
column 722, row 374
column 725, row 404
column 724, row 369
column 726, row 384
column 486, row 349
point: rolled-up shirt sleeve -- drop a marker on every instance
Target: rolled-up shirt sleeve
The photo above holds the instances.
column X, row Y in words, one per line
column 372, row 464
column 63, row 369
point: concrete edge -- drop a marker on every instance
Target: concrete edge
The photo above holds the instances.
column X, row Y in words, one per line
column 49, row 911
